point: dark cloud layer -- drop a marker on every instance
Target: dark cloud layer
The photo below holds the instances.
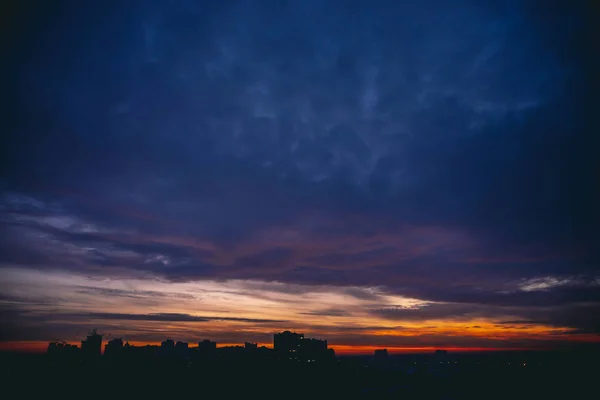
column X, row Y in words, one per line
column 165, row 317
column 441, row 150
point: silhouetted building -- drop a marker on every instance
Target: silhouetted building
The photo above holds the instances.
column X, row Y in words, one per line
column 331, row 354
column 167, row 349
column 55, row 347
column 441, row 353
column 181, row 345
column 380, row 354
column 232, row 354
column 113, row 347
column 182, row 350
column 91, row 348
column 250, row 346
column 60, row 352
column 287, row 344
column 207, row 345
column 312, row 349
column 294, row 346
column 205, row 352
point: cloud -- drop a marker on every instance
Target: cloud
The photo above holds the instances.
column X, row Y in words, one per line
column 166, row 317
column 132, row 293
column 437, row 152
column 578, row 318
column 550, row 282
column 275, row 258
column 330, row 312
column 430, row 312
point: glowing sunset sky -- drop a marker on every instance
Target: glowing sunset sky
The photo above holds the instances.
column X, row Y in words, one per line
column 409, row 175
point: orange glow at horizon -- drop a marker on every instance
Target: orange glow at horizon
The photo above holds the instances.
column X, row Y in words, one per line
column 233, row 311
column 41, row 346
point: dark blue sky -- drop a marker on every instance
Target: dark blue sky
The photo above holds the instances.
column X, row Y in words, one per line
column 444, row 151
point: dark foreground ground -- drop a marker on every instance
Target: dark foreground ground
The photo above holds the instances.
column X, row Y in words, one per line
column 469, row 376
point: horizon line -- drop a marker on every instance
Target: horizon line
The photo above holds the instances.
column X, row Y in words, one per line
column 39, row 346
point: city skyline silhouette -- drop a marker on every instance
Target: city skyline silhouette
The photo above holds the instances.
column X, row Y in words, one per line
column 409, row 189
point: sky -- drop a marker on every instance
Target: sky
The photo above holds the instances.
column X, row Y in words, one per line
column 410, row 175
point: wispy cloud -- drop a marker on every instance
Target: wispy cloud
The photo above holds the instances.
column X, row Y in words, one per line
column 306, row 163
